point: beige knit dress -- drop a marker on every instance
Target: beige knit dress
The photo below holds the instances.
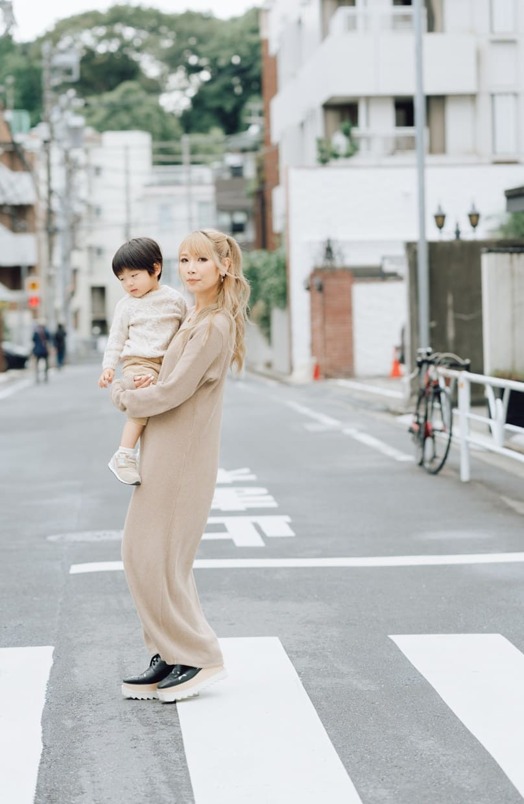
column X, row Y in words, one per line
column 178, row 463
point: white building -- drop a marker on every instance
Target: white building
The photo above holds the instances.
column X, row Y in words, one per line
column 127, row 196
column 354, row 62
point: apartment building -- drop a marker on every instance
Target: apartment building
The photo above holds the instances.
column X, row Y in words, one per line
column 18, row 234
column 342, row 127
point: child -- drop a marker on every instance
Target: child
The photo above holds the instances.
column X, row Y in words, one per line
column 144, row 323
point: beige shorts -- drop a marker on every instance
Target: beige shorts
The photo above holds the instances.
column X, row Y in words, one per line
column 131, row 366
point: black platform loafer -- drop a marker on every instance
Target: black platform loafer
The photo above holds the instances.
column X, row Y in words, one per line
column 144, row 686
column 185, row 682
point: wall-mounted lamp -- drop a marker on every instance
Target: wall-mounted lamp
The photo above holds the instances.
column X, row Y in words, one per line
column 440, row 220
column 474, row 217
column 318, row 284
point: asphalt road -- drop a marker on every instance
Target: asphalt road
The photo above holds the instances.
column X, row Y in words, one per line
column 408, row 642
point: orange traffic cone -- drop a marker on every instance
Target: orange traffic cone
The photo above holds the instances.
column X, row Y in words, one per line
column 395, row 367
column 316, row 371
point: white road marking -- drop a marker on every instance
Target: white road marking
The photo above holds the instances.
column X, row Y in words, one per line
column 23, row 680
column 320, row 563
column 375, row 443
column 480, row 677
column 370, row 389
column 15, row 387
column 244, row 530
column 358, row 435
column 241, row 498
column 257, row 738
column 319, row 417
column 235, row 475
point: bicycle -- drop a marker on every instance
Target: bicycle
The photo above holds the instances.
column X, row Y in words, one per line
column 432, row 423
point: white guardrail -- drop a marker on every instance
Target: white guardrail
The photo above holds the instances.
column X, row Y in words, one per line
column 497, row 428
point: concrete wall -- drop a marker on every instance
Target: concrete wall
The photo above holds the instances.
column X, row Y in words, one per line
column 379, row 315
column 370, row 212
column 503, row 311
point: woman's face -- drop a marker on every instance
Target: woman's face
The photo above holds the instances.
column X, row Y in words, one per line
column 200, row 274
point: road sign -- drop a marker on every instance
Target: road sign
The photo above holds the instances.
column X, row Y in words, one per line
column 32, row 286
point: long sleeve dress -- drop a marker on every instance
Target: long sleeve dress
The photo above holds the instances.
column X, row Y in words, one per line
column 167, row 514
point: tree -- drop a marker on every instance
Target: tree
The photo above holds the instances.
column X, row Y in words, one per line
column 514, row 226
column 266, row 273
column 130, row 107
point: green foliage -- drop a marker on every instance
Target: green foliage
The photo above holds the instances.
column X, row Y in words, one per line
column 130, row 107
column 326, row 150
column 197, row 68
column 266, row 274
column 514, row 226
column 17, row 62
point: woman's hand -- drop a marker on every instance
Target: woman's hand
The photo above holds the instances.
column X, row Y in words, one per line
column 143, row 380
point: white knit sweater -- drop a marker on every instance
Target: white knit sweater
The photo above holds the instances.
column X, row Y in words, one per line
column 144, row 327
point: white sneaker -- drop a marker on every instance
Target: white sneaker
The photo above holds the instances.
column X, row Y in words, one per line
column 125, row 467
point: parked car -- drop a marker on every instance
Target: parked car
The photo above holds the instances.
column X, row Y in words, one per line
column 16, row 357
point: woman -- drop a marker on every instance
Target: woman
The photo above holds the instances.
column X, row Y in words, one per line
column 179, row 459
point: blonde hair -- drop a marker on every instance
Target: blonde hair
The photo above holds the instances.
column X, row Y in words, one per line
column 233, row 292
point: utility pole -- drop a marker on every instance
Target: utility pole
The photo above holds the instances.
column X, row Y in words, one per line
column 127, row 194
column 186, row 161
column 49, row 283
column 419, row 12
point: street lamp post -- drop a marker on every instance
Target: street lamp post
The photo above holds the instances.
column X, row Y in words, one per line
column 420, row 130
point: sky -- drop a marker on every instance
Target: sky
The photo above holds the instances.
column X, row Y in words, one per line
column 35, row 17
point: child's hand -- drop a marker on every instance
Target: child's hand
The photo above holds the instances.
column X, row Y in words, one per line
column 106, row 378
column 143, row 380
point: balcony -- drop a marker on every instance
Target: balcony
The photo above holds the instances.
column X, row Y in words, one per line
column 17, row 187
column 371, row 53
column 377, row 144
column 362, row 20
column 16, row 249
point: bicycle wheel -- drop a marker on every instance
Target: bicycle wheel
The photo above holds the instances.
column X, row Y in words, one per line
column 437, row 432
column 417, row 428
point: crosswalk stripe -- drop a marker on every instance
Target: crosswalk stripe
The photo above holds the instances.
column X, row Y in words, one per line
column 257, row 738
column 24, row 673
column 481, row 678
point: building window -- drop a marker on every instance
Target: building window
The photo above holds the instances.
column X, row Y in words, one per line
column 503, row 16
column 404, row 113
column 238, row 222
column 504, row 110
column 165, row 216
column 206, row 215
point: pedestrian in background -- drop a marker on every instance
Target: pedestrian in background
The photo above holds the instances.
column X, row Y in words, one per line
column 168, row 512
column 41, row 347
column 143, row 326
column 59, row 340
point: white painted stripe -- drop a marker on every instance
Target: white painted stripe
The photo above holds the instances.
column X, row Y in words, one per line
column 358, row 435
column 17, row 386
column 23, row 679
column 480, row 677
column 370, row 389
column 375, row 443
column 319, row 417
column 312, row 563
column 257, row 738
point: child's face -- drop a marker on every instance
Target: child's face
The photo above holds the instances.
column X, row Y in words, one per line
column 137, row 282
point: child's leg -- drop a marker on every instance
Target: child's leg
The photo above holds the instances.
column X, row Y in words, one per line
column 131, row 433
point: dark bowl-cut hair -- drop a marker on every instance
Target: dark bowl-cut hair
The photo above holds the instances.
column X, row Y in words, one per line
column 140, row 253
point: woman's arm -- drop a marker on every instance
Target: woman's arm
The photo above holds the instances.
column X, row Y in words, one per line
column 200, row 352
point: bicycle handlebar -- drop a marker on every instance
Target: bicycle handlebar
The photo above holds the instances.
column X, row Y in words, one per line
column 448, row 359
